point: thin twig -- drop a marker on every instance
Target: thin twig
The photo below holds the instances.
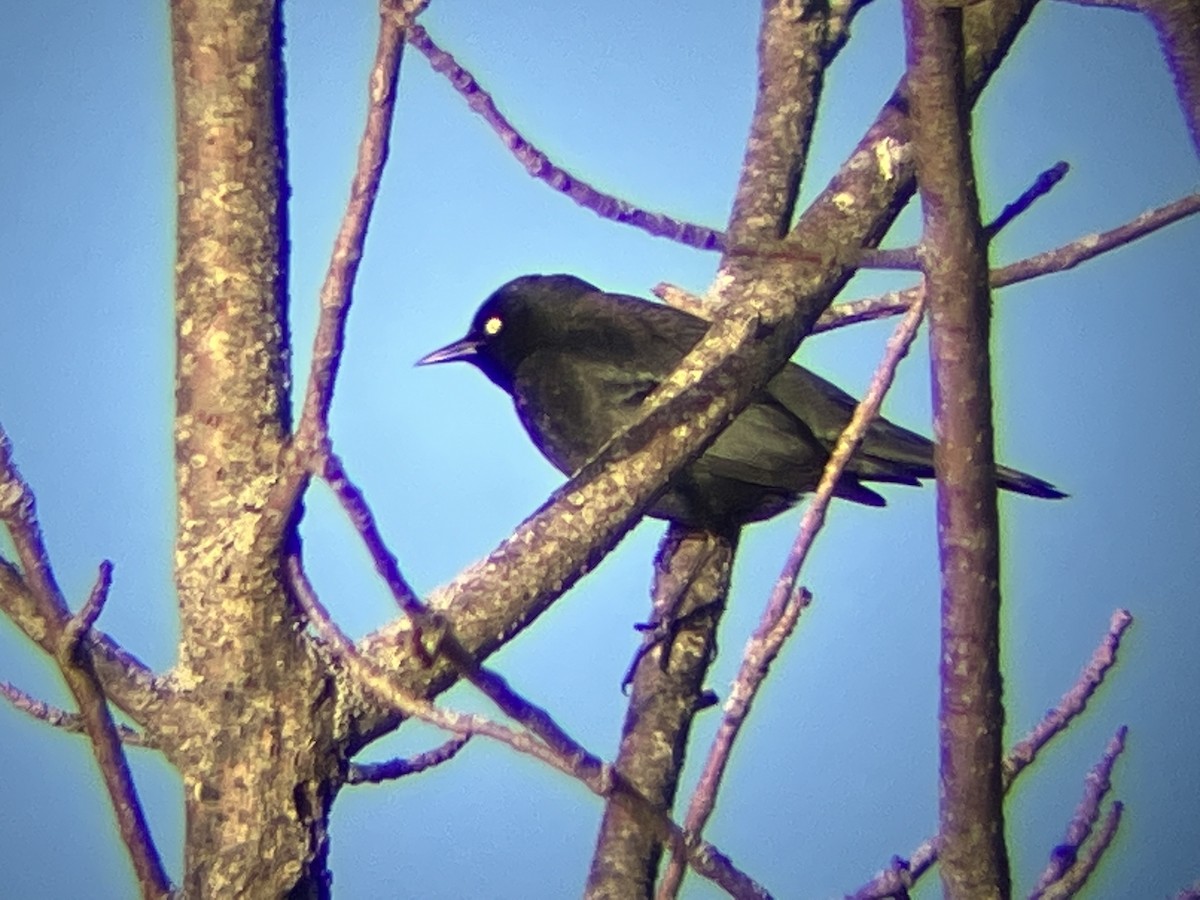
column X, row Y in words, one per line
column 337, row 289
column 540, row 166
column 1076, row 877
column 909, row 258
column 1059, row 259
column 18, row 511
column 1042, row 185
column 577, row 761
column 898, row 878
column 80, row 624
column 787, row 600
column 64, row 720
column 329, row 467
column 374, row 773
column 1070, row 857
column 1070, row 255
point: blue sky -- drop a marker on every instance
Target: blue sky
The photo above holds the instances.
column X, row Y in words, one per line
column 1096, row 382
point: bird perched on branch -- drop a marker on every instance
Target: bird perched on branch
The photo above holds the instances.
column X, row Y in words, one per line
column 578, row 363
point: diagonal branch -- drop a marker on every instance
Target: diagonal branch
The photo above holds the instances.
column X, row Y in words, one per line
column 337, row 289
column 1048, row 262
column 897, row 879
column 71, row 652
column 67, row 721
column 540, row 166
column 374, row 773
column 497, row 597
column 541, row 739
column 1071, row 863
column 788, row 600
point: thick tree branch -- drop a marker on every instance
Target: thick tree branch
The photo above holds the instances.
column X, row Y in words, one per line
column 1177, row 23
column 496, row 598
column 691, row 580
column 791, row 63
column 257, row 826
column 791, row 67
column 954, row 251
column 539, row 738
column 788, row 600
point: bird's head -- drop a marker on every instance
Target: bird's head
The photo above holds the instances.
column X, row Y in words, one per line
column 511, row 324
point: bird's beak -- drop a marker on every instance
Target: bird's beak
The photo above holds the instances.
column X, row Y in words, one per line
column 466, row 348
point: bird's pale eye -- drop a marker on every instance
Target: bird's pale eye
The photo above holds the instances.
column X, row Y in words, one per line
column 492, row 326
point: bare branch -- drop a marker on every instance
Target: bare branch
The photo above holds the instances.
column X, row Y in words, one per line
column 954, row 252
column 901, row 876
column 540, row 166
column 560, row 752
column 899, row 258
column 431, row 628
column 691, row 581
column 791, row 64
column 81, row 623
column 1177, row 23
column 1059, row 259
column 337, row 289
column 1089, row 858
column 787, row 600
column 1042, row 185
column 374, row 773
column 329, row 467
column 18, row 511
column 1071, row 864
column 127, row 681
column 66, row 721
column 1070, row 255
column 910, row 258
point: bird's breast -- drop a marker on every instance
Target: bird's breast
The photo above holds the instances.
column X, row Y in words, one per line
column 571, row 404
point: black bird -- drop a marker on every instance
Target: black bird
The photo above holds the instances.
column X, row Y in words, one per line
column 578, row 363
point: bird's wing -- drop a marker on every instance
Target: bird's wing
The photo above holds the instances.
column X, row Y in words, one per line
column 888, row 452
column 768, row 446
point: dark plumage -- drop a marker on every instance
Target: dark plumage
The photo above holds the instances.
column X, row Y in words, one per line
column 578, row 363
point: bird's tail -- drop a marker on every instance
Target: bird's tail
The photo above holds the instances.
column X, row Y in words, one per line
column 1024, row 483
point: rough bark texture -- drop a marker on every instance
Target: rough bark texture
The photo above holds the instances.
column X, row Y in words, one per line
column 954, row 253
column 1178, row 25
column 494, row 599
column 791, row 45
column 690, row 585
column 252, row 728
